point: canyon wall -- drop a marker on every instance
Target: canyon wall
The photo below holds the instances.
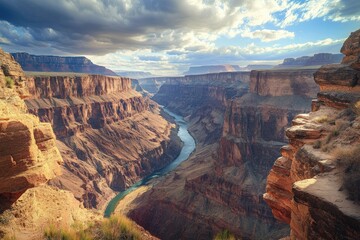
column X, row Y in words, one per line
column 313, row 186
column 28, row 155
column 152, row 85
column 108, row 134
column 40, row 63
column 316, row 60
column 29, row 158
column 238, row 121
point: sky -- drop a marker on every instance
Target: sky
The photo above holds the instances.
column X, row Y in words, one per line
column 166, row 37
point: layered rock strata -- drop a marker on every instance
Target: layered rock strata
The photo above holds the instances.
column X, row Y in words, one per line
column 28, row 155
column 307, row 186
column 40, row 63
column 316, row 60
column 152, row 85
column 109, row 135
column 29, row 158
column 238, row 123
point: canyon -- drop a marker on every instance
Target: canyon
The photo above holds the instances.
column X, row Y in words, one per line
column 109, row 135
column 238, row 120
column 76, row 140
column 313, row 186
column 72, row 142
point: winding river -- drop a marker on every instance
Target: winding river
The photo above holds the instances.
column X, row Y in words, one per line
column 188, row 148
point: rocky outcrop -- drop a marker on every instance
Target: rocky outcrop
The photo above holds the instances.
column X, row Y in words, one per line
column 306, row 61
column 36, row 63
column 220, row 186
column 29, row 158
column 109, row 135
column 28, row 155
column 72, row 104
column 306, row 187
column 282, row 82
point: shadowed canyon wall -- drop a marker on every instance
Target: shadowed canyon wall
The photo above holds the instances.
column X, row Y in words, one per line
column 40, row 63
column 313, row 186
column 109, row 135
column 238, row 121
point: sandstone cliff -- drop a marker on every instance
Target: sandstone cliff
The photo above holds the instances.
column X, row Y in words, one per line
column 109, row 135
column 36, row 63
column 238, row 130
column 313, row 186
column 29, row 158
column 28, row 155
column 316, row 60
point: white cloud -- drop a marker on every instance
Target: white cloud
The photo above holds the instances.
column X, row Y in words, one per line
column 267, row 35
column 179, row 60
column 334, row 10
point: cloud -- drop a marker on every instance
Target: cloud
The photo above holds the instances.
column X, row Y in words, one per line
column 171, row 33
column 267, row 35
column 100, row 27
column 179, row 61
column 333, row 10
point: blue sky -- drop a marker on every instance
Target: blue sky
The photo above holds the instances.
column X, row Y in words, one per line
column 165, row 37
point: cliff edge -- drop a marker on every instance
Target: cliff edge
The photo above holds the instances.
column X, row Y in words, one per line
column 28, row 155
column 29, row 158
column 314, row 185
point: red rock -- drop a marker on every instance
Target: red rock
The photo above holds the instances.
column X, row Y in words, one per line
column 318, row 209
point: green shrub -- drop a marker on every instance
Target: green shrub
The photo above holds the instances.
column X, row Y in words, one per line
column 9, row 82
column 321, row 119
column 349, row 158
column 224, row 235
column 116, row 227
column 54, row 233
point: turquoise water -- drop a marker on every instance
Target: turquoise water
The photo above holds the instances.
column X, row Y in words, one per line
column 188, row 148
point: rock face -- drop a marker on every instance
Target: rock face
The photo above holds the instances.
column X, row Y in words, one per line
column 36, row 63
column 220, row 186
column 306, row 187
column 29, row 158
column 277, row 83
column 316, row 60
column 109, row 135
column 212, row 69
column 28, row 155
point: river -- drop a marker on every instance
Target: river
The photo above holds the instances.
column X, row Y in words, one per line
column 188, row 148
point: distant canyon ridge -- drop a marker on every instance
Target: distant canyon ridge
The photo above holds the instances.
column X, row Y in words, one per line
column 79, row 64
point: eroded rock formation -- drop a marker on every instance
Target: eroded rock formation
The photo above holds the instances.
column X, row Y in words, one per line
column 29, row 158
column 28, row 155
column 238, row 132
column 36, row 63
column 109, row 135
column 306, row 61
column 308, row 186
